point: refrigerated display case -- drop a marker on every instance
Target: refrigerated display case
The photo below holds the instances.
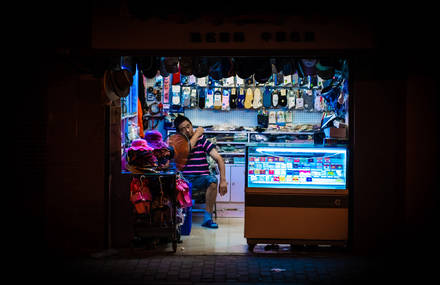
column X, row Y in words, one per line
column 296, row 194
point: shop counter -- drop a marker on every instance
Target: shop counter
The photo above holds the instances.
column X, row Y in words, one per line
column 296, row 194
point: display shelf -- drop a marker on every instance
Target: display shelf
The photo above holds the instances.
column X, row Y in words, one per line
column 250, row 132
column 129, row 116
column 228, row 155
column 225, row 131
column 281, row 133
column 231, row 142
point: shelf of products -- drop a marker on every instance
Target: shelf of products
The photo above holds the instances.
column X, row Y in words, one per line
column 231, row 145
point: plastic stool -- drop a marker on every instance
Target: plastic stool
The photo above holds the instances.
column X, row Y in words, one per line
column 203, row 210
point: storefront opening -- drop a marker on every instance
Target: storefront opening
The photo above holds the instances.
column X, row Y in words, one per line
column 295, row 107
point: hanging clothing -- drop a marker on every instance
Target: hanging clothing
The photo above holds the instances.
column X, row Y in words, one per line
column 140, row 119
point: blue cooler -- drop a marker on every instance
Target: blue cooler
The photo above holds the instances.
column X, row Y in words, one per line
column 185, row 229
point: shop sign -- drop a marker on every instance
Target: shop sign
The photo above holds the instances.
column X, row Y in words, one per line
column 125, row 33
column 237, row 37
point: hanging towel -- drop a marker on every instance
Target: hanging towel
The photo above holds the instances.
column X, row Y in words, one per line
column 140, row 119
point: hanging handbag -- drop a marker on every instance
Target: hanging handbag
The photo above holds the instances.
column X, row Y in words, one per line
column 136, row 196
column 183, row 193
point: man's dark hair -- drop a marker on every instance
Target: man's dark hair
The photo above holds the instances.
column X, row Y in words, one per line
column 178, row 120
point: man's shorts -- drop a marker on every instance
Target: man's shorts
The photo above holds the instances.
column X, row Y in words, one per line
column 199, row 184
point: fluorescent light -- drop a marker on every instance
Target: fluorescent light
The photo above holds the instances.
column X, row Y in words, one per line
column 300, row 150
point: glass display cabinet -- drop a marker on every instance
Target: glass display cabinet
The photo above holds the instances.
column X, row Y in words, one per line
column 296, row 194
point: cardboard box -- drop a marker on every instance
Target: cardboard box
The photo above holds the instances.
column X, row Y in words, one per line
column 338, row 132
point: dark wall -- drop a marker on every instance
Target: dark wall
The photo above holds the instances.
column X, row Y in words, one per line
column 75, row 201
column 394, row 123
column 378, row 156
column 421, row 168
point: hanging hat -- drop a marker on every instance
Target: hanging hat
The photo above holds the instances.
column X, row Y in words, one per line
column 325, row 73
column 162, row 68
column 172, row 64
column 108, row 88
column 286, row 65
column 215, row 68
column 140, row 157
column 200, row 67
column 244, row 67
column 186, row 66
column 289, row 66
column 128, row 62
column 154, row 139
column 227, row 67
column 325, row 68
column 122, row 81
column 117, row 83
column 149, row 65
column 140, row 144
column 263, row 70
column 308, row 66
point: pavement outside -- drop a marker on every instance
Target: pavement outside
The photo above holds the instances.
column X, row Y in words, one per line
column 319, row 266
column 222, row 257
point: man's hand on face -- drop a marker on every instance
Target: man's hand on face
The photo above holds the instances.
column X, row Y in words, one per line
column 199, row 132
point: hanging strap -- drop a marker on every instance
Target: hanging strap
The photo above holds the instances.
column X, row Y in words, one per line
column 166, row 90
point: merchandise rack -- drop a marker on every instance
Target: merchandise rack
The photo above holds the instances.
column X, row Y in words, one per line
column 141, row 226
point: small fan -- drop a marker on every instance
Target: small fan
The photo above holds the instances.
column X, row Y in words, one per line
column 182, row 148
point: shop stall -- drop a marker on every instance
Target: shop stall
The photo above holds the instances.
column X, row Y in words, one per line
column 263, row 114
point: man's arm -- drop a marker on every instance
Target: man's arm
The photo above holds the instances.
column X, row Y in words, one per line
column 223, row 186
column 197, row 134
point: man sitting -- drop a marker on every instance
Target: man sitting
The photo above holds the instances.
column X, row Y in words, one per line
column 196, row 169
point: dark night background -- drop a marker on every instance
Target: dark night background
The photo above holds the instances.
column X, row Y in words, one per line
column 395, row 105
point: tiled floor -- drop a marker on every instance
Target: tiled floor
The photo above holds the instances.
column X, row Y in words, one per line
column 228, row 238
